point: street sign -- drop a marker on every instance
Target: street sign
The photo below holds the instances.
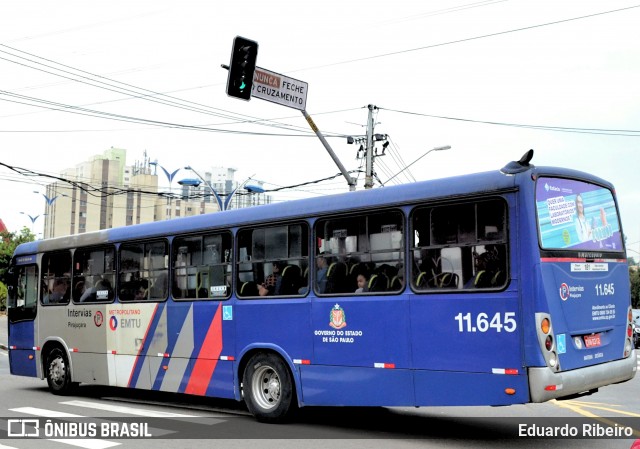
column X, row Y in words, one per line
column 279, row 89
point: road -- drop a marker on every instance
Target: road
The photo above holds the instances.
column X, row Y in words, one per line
column 184, row 421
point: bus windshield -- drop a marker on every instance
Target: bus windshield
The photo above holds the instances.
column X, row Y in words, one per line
column 576, row 215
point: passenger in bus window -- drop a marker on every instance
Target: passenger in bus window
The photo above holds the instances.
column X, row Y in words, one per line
column 78, row 290
column 58, row 292
column 321, row 273
column 140, row 293
column 362, row 281
column 99, row 292
column 263, row 290
column 273, row 283
column 487, row 267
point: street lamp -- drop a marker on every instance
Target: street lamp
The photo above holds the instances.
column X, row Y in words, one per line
column 170, row 177
column 226, row 203
column 49, row 200
column 249, row 188
column 32, row 218
column 48, row 208
column 446, row 147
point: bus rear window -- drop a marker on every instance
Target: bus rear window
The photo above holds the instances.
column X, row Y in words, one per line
column 576, row 215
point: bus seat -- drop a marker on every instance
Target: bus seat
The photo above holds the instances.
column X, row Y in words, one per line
column 304, row 282
column 248, row 288
column 447, row 280
column 354, row 270
column 378, row 283
column 337, row 278
column 482, row 279
column 291, row 280
column 498, row 279
column 396, row 284
column 421, row 281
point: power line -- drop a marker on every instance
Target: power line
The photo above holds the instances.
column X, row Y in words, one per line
column 135, row 92
column 602, row 131
column 468, row 39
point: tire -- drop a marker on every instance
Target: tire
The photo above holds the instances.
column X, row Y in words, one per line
column 58, row 372
column 267, row 387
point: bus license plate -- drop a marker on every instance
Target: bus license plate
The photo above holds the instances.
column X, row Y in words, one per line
column 591, row 341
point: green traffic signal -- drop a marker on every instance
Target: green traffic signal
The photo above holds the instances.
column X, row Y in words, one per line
column 243, row 63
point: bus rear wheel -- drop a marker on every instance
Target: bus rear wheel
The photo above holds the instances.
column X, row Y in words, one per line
column 58, row 372
column 268, row 388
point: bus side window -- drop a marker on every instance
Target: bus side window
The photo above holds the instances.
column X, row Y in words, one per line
column 368, row 246
column 202, row 266
column 143, row 273
column 460, row 246
column 94, row 274
column 23, row 292
column 156, row 270
column 131, row 255
column 273, row 259
column 56, row 277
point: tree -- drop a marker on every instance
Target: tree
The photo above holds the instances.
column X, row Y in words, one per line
column 634, row 277
column 9, row 241
column 3, row 297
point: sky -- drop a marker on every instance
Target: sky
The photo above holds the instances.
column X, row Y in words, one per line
column 492, row 79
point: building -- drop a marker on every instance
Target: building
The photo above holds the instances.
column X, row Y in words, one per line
column 104, row 192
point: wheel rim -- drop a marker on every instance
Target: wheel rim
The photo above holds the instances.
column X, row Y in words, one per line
column 266, row 387
column 57, row 371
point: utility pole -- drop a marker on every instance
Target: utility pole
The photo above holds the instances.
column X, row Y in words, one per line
column 368, row 180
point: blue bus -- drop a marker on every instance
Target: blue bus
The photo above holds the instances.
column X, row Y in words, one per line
column 482, row 289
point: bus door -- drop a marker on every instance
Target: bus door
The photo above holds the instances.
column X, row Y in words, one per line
column 22, row 311
column 464, row 313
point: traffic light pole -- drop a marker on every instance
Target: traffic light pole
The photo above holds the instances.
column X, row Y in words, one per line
column 345, row 173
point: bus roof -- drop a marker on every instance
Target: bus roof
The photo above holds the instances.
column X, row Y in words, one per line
column 476, row 183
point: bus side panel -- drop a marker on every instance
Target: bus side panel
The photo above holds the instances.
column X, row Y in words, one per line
column 91, row 367
column 278, row 324
column 587, row 299
column 367, row 331
column 22, row 359
column 356, row 386
column 435, row 388
column 470, row 332
column 175, row 347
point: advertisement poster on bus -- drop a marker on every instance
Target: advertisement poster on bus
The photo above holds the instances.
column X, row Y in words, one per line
column 576, row 215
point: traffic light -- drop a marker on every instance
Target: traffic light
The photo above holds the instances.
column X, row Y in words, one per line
column 241, row 68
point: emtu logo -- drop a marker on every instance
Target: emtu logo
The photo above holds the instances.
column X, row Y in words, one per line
column 564, row 291
column 113, row 323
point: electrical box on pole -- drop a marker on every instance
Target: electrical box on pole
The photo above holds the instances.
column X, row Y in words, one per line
column 241, row 68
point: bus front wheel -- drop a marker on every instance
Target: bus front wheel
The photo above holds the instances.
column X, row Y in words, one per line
column 58, row 372
column 267, row 386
